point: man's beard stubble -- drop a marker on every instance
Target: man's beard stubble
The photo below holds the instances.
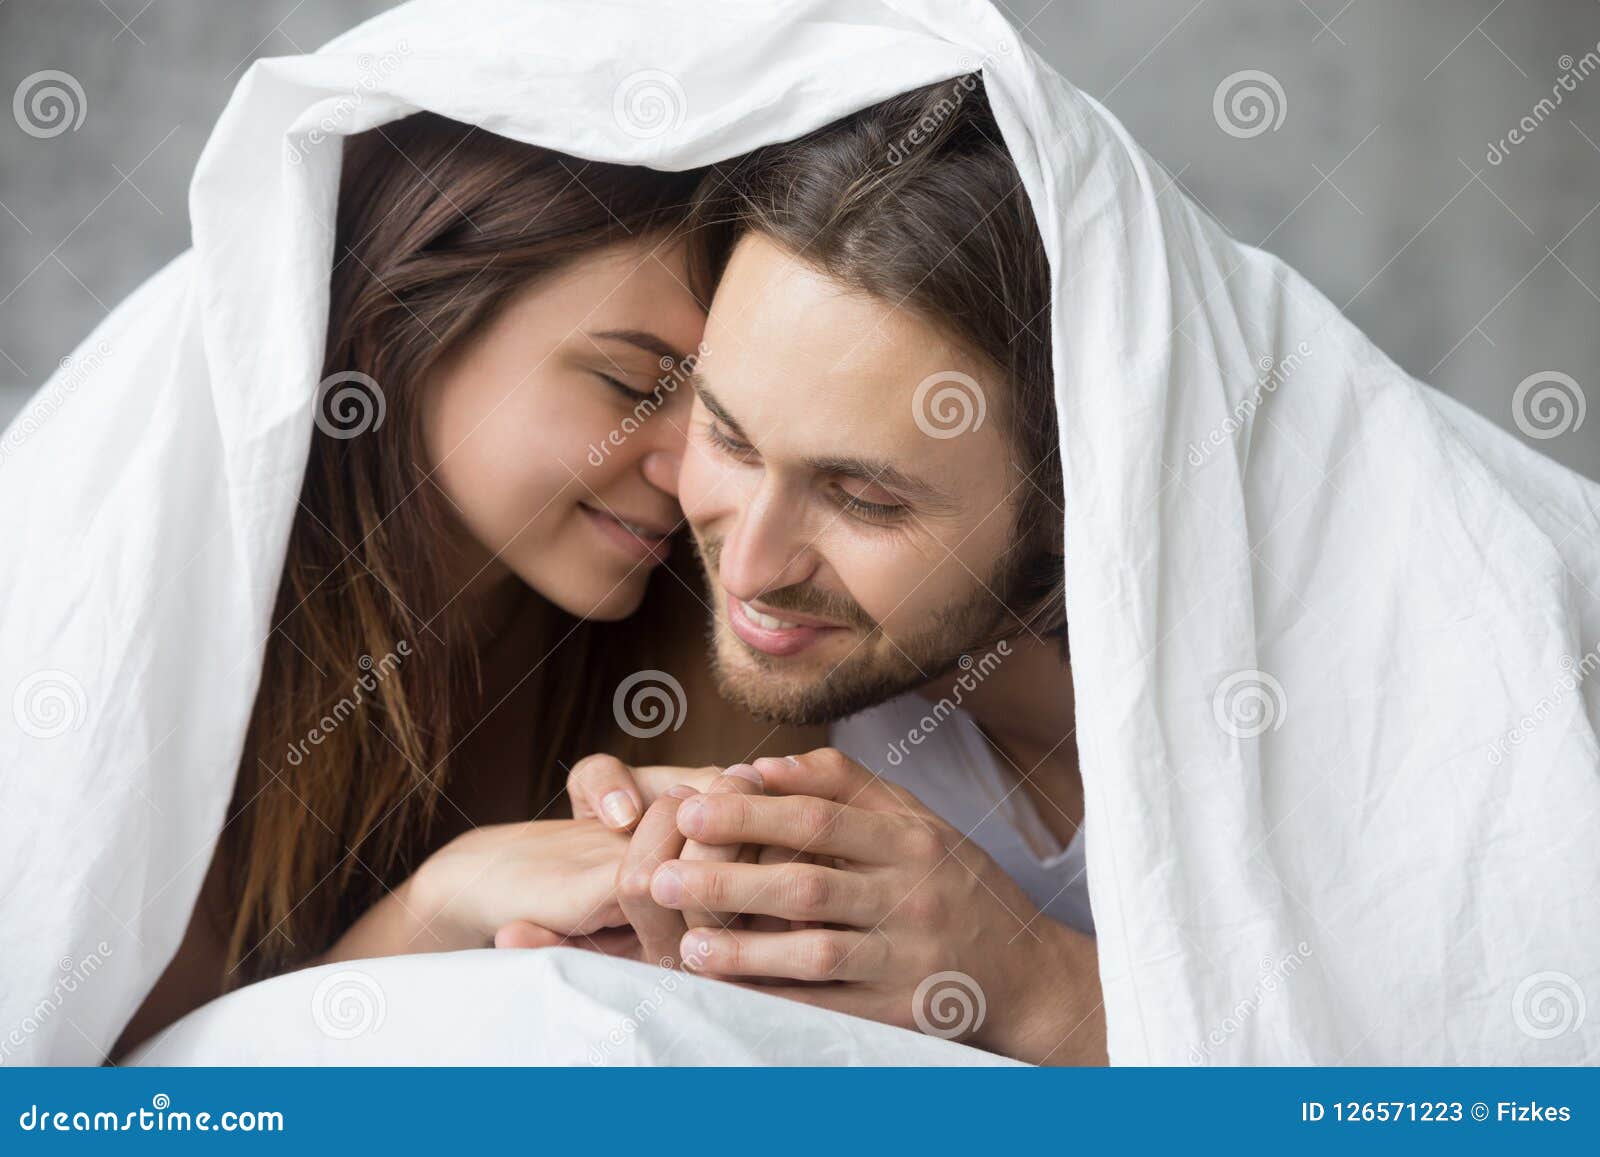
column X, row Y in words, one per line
column 864, row 677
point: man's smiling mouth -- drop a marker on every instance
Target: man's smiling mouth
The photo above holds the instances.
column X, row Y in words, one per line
column 771, row 634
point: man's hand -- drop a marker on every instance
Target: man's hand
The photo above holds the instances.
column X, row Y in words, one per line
column 658, row 840
column 918, row 927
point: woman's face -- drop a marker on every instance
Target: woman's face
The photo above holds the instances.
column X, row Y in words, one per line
column 554, row 429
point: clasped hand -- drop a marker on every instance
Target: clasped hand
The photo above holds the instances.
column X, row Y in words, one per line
column 817, row 880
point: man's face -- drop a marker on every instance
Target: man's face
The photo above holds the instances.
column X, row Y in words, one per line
column 851, row 553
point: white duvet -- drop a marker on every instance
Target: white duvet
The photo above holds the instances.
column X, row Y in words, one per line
column 1332, row 634
column 554, row 1006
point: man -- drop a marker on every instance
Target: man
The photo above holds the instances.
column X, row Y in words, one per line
column 874, row 485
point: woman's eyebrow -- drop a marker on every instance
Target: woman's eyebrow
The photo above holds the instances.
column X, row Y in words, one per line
column 640, row 339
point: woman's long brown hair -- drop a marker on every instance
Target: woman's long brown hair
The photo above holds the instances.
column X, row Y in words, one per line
column 366, row 685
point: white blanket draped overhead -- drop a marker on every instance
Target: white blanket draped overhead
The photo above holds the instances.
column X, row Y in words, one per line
column 1331, row 632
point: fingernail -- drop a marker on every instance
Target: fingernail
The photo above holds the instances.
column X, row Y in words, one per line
column 619, row 809
column 693, row 951
column 771, row 763
column 666, row 887
column 680, row 791
column 692, row 817
column 746, row 772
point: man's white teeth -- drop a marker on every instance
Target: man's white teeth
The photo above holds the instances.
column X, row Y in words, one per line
column 768, row 621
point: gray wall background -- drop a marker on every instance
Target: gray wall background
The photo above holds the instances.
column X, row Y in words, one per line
column 1376, row 185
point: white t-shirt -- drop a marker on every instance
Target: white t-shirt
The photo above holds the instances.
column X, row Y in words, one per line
column 948, row 765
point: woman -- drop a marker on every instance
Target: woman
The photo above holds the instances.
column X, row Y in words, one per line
column 485, row 503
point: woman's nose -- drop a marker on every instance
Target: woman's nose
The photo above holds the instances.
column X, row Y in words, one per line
column 660, row 468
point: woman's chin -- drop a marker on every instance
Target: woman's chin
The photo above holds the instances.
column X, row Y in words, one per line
column 607, row 600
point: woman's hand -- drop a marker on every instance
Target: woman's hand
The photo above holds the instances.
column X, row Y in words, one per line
column 605, row 788
column 602, row 787
column 918, row 927
column 555, row 876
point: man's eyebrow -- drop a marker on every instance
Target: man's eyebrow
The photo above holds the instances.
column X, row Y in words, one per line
column 869, row 470
column 640, row 339
column 697, row 382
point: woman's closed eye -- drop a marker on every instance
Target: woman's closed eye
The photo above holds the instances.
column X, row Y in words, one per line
column 626, row 391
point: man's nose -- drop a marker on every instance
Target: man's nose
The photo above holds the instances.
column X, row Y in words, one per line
column 765, row 550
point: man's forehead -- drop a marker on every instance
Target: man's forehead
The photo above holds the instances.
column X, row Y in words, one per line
column 785, row 341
